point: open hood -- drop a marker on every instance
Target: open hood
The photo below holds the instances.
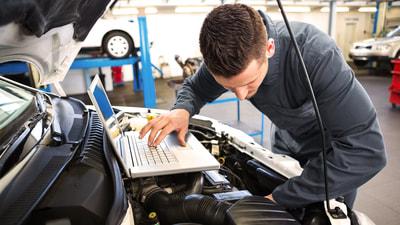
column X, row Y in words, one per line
column 47, row 34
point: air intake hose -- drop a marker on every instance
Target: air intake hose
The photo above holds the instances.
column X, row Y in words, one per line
column 193, row 208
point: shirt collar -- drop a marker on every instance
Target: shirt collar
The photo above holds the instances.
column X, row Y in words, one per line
column 273, row 62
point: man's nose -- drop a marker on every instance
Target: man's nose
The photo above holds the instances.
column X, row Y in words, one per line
column 241, row 92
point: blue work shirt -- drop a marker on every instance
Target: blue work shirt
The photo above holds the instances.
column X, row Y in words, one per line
column 355, row 149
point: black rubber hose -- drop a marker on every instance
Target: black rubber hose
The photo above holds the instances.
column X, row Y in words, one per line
column 172, row 209
column 204, row 209
column 196, row 185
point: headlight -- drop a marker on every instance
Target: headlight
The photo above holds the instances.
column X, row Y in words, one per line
column 383, row 47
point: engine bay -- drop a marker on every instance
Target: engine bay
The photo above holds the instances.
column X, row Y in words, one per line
column 93, row 189
column 231, row 195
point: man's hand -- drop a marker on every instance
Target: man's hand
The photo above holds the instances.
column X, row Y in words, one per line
column 175, row 120
column 270, row 197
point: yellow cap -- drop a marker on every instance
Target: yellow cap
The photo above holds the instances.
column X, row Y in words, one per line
column 150, row 116
column 152, row 215
column 115, row 132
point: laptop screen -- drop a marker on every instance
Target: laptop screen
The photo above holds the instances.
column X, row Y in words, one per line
column 102, row 101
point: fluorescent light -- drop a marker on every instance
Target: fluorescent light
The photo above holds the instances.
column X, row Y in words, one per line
column 296, row 9
column 354, row 3
column 252, row 2
column 193, row 9
column 150, row 10
column 338, row 9
column 367, row 9
column 140, row 3
column 125, row 11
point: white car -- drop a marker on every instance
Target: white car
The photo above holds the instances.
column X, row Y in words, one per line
column 115, row 37
column 377, row 49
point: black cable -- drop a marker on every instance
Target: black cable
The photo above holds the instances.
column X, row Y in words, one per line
column 113, row 4
column 314, row 101
column 230, row 172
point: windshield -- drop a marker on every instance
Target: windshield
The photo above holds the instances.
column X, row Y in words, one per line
column 13, row 102
column 394, row 33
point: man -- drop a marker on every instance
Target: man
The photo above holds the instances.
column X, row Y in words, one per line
column 255, row 59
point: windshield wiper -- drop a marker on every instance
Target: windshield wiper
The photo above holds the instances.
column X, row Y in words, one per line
column 40, row 102
column 56, row 132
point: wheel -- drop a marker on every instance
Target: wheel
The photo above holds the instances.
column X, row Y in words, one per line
column 360, row 63
column 118, row 44
column 393, row 105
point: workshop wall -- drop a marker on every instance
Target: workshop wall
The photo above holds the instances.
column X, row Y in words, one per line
column 393, row 16
column 178, row 33
column 352, row 27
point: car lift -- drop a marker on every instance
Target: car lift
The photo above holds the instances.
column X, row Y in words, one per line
column 143, row 79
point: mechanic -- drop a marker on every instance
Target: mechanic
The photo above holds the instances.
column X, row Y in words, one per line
column 255, row 59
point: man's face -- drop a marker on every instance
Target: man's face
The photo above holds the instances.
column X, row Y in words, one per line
column 246, row 83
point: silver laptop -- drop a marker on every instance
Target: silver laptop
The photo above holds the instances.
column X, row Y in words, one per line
column 136, row 157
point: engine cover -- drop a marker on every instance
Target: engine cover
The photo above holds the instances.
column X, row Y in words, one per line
column 258, row 210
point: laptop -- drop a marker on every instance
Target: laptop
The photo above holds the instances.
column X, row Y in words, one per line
column 136, row 157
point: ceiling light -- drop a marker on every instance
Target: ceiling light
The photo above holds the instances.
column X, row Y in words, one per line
column 150, row 10
column 140, row 3
column 338, row 9
column 354, row 3
column 367, row 9
column 251, row 2
column 125, row 11
column 193, row 9
column 296, row 9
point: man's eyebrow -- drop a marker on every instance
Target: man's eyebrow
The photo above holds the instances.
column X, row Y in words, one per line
column 251, row 81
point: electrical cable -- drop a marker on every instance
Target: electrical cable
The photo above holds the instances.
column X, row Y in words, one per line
column 230, row 172
column 314, row 102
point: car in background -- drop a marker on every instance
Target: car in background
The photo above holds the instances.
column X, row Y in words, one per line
column 114, row 37
column 381, row 49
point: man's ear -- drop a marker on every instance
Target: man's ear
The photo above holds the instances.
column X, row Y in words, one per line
column 270, row 48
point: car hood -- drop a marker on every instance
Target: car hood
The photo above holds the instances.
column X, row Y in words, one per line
column 377, row 41
column 46, row 33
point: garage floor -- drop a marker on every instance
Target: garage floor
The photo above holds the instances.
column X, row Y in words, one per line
column 379, row 198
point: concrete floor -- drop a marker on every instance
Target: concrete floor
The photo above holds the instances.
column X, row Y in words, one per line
column 379, row 198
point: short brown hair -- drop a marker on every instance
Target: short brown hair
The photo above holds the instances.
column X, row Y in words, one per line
column 232, row 35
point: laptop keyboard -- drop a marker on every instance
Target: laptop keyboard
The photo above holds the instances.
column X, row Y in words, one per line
column 143, row 155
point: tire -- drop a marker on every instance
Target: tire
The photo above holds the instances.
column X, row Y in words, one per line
column 360, row 63
column 118, row 44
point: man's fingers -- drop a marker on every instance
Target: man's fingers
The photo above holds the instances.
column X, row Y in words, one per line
column 181, row 137
column 168, row 129
column 155, row 129
column 147, row 127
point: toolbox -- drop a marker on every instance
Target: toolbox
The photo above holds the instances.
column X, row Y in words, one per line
column 395, row 86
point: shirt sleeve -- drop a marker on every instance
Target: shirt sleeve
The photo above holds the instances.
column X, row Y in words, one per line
column 356, row 151
column 197, row 90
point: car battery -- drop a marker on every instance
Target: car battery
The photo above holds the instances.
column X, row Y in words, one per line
column 395, row 86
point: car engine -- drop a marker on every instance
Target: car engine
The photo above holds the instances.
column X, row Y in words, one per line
column 93, row 190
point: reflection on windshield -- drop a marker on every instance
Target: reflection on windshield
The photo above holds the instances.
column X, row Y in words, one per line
column 13, row 102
